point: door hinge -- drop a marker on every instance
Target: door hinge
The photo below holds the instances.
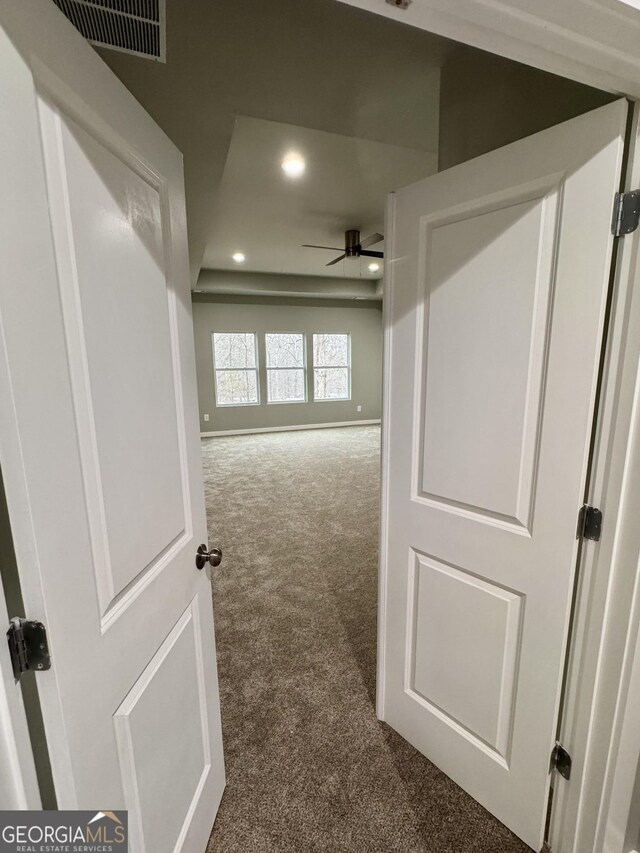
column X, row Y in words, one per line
column 560, row 761
column 589, row 523
column 28, row 646
column 626, row 213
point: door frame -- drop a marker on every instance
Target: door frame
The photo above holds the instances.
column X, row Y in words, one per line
column 591, row 41
column 600, row 724
column 18, row 781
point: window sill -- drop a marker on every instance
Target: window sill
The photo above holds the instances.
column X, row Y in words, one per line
column 235, row 405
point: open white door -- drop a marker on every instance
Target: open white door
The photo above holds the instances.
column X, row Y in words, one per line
column 99, row 436
column 496, row 294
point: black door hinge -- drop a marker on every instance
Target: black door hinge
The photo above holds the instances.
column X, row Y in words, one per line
column 560, row 761
column 28, row 646
column 626, row 213
column 589, row 523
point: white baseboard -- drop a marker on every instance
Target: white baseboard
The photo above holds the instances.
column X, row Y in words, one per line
column 285, row 428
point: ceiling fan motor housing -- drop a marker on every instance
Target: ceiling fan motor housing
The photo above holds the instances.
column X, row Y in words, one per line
column 352, row 243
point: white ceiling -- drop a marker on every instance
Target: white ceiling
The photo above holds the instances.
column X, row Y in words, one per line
column 266, row 215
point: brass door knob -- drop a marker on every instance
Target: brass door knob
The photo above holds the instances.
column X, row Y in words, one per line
column 204, row 556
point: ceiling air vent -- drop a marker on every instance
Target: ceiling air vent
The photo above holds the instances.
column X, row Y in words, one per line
column 131, row 26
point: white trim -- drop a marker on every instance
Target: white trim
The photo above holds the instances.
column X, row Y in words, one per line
column 18, row 781
column 222, row 432
column 303, row 368
column 387, row 290
column 217, row 370
column 620, row 818
column 346, row 367
column 593, row 41
column 588, row 813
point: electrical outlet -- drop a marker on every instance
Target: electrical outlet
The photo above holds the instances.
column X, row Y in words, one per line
column 359, row 409
column 205, row 417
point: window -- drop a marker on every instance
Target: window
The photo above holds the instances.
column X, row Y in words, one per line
column 235, row 368
column 331, row 367
column 285, row 368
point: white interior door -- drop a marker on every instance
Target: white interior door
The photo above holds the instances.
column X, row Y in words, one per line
column 496, row 296
column 99, row 436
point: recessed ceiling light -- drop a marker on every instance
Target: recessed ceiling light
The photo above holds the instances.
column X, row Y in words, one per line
column 238, row 257
column 293, row 165
column 374, row 267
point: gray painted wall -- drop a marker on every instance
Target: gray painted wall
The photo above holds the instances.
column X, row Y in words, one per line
column 363, row 321
column 487, row 101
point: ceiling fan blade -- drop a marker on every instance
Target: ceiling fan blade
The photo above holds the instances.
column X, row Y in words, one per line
column 339, row 258
column 371, row 240
column 370, row 254
column 331, row 248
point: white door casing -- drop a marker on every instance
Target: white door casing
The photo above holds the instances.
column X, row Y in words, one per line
column 592, row 41
column 496, row 290
column 18, row 782
column 99, row 436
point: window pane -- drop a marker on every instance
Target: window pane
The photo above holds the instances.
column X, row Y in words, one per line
column 331, row 383
column 330, row 350
column 236, row 386
column 285, row 350
column 234, row 349
column 285, row 386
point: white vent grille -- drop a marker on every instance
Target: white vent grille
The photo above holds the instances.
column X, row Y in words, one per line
column 131, row 26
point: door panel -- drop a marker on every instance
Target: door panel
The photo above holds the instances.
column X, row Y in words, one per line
column 465, row 642
column 482, row 400
column 107, row 222
column 173, row 682
column 99, row 445
column 496, row 295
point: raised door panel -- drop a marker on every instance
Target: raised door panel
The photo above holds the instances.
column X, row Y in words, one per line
column 463, row 644
column 111, row 229
column 169, row 697
column 488, row 276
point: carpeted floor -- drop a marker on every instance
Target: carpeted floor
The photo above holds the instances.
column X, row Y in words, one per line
column 309, row 767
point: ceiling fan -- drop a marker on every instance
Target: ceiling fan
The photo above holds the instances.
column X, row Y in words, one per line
column 354, row 247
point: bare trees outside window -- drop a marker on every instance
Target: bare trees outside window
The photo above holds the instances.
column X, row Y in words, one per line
column 235, row 362
column 285, row 368
column 331, row 367
column 236, row 368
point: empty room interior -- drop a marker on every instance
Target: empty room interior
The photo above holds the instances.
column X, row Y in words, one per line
column 281, row 155
column 299, row 124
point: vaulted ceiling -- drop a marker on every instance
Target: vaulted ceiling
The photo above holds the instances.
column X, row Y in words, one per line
column 314, row 64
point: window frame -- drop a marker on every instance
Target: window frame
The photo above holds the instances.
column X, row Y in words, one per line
column 346, row 399
column 305, row 399
column 255, row 369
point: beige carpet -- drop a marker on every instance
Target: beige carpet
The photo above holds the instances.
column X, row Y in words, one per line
column 309, row 767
